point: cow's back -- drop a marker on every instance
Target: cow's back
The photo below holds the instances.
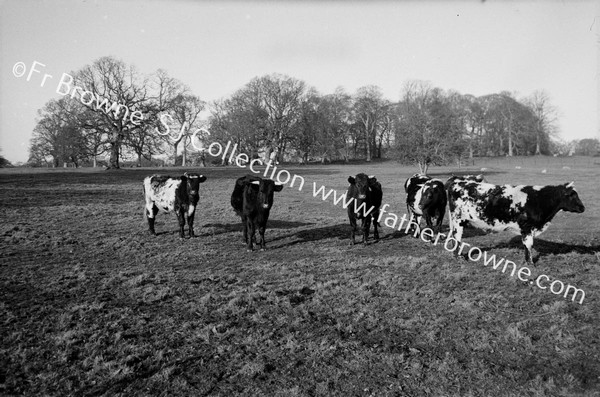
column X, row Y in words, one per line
column 162, row 191
column 486, row 206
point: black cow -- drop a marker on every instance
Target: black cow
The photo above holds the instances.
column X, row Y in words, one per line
column 433, row 203
column 252, row 199
column 367, row 194
column 525, row 210
column 179, row 195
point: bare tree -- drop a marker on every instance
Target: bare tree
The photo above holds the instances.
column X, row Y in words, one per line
column 370, row 112
column 546, row 119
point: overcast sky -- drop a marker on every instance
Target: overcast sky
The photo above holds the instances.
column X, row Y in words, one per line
column 215, row 48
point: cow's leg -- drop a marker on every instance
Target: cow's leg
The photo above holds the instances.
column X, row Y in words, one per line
column 458, row 232
column 416, row 225
column 190, row 221
column 440, row 219
column 375, row 226
column 528, row 243
column 428, row 220
column 352, row 229
column 151, row 212
column 261, row 236
column 366, row 225
column 251, row 229
column 450, row 224
column 181, row 219
column 245, row 229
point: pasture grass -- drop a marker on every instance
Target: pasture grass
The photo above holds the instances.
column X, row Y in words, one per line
column 91, row 304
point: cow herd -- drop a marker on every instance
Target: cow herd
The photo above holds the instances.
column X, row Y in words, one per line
column 471, row 202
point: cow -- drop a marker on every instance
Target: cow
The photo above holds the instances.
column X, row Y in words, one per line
column 179, row 195
column 524, row 210
column 252, row 199
column 366, row 194
column 425, row 197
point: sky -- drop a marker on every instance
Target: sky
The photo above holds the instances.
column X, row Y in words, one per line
column 216, row 47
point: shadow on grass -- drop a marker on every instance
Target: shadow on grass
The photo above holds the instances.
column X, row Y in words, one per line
column 220, row 228
column 340, row 232
column 544, row 247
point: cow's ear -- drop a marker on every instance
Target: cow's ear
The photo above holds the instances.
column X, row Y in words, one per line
column 202, row 178
column 278, row 187
column 351, row 180
column 570, row 184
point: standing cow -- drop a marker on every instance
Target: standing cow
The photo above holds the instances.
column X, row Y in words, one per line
column 524, row 210
column 252, row 199
column 426, row 197
column 367, row 194
column 179, row 195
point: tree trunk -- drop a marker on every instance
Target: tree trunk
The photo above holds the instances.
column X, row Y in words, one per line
column 368, row 141
column 113, row 162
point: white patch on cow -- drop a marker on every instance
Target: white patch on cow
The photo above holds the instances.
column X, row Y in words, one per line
column 163, row 198
column 255, row 182
column 482, row 188
column 191, row 209
column 515, row 194
column 537, row 232
column 528, row 241
column 415, row 206
column 537, row 188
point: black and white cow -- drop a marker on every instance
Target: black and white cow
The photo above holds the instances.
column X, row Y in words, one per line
column 426, row 197
column 179, row 195
column 367, row 195
column 252, row 199
column 524, row 210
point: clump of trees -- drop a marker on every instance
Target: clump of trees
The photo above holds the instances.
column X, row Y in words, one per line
column 278, row 117
column 78, row 127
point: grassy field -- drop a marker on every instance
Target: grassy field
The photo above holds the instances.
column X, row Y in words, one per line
column 92, row 305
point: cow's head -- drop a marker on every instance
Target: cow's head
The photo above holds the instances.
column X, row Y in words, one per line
column 570, row 199
column 266, row 188
column 193, row 182
column 431, row 193
column 363, row 185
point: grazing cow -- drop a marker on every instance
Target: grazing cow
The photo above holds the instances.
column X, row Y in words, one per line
column 367, row 194
column 252, row 199
column 179, row 195
column 525, row 210
column 425, row 197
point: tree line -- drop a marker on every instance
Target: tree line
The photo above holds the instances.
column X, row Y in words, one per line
column 278, row 117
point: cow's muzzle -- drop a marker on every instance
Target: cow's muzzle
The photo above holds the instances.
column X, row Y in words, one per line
column 362, row 196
